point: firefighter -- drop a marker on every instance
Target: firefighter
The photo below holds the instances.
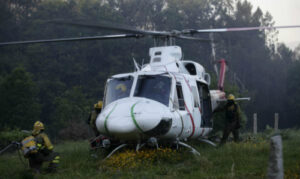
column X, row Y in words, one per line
column 93, row 116
column 232, row 119
column 44, row 152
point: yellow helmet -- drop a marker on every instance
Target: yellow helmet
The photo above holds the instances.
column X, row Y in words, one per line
column 37, row 127
column 231, row 97
column 98, row 105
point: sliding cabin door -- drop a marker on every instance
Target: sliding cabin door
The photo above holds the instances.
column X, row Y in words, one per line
column 205, row 101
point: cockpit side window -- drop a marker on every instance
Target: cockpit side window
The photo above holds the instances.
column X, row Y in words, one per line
column 179, row 97
column 118, row 88
column 196, row 98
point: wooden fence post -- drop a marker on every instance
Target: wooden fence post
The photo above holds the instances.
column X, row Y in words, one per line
column 254, row 123
column 275, row 168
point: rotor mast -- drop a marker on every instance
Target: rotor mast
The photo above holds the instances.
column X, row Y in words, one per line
column 163, row 41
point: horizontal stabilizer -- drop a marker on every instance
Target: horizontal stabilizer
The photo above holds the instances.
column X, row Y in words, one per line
column 236, row 99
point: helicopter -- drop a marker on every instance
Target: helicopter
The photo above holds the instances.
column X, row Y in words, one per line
column 167, row 100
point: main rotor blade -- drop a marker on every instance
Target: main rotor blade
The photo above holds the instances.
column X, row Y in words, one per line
column 104, row 37
column 111, row 26
column 235, row 29
column 193, row 38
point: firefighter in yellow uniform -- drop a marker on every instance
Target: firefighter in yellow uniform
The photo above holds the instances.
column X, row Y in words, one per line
column 44, row 150
column 93, row 116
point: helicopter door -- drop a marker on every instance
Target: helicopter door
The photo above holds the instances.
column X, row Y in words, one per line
column 180, row 100
column 205, row 105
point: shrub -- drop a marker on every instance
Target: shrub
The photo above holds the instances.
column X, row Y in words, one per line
column 290, row 134
column 145, row 158
column 75, row 131
column 7, row 136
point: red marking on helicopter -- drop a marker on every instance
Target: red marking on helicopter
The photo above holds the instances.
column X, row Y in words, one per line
column 187, row 83
column 193, row 124
column 174, row 76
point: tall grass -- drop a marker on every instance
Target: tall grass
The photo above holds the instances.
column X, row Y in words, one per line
column 247, row 159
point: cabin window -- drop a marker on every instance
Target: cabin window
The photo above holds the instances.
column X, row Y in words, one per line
column 207, row 78
column 179, row 95
column 118, row 88
column 154, row 87
column 196, row 98
column 191, row 68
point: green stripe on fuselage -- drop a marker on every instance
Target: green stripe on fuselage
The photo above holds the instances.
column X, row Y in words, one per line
column 105, row 122
column 133, row 118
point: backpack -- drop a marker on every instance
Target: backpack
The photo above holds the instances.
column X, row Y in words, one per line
column 29, row 146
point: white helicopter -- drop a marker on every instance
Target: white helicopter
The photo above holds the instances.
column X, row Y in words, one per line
column 167, row 100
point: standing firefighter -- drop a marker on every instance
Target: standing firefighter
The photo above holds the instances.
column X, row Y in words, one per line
column 44, row 150
column 232, row 119
column 93, row 116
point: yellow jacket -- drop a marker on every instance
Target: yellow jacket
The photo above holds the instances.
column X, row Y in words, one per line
column 43, row 141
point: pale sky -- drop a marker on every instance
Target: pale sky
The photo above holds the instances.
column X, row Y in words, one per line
column 284, row 12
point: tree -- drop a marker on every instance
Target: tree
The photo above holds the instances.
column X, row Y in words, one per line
column 297, row 53
column 59, row 68
column 71, row 107
column 19, row 105
column 293, row 93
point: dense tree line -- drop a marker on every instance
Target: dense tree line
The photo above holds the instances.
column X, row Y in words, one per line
column 58, row 82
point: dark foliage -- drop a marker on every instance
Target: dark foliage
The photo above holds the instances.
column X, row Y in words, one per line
column 75, row 131
column 58, row 82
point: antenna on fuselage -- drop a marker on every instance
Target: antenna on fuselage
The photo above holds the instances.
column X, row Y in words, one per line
column 136, row 64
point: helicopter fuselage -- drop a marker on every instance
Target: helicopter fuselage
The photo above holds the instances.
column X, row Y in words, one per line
column 168, row 99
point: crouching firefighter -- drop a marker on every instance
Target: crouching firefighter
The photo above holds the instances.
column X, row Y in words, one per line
column 39, row 149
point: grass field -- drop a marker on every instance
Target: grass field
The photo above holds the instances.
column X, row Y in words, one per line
column 247, row 159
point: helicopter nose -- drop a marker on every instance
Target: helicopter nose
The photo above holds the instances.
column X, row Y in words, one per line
column 152, row 118
column 121, row 127
column 127, row 119
column 115, row 120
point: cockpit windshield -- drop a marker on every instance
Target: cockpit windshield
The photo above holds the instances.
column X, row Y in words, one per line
column 118, row 88
column 154, row 87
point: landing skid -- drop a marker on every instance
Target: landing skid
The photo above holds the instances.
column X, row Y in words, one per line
column 207, row 141
column 193, row 150
column 139, row 146
column 116, row 149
